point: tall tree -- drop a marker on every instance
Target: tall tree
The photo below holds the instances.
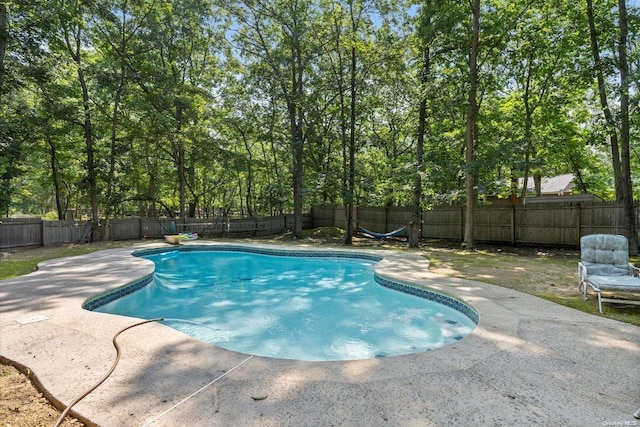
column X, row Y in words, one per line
column 470, row 135
column 337, row 54
column 116, row 26
column 625, row 130
column 434, row 25
column 3, row 41
column 281, row 36
column 425, row 37
column 542, row 83
column 357, row 12
column 8, row 151
column 72, row 38
column 619, row 134
column 332, row 93
column 174, row 65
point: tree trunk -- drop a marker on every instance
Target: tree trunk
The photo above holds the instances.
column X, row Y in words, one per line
column 152, row 191
column 297, row 133
column 297, row 142
column 249, row 196
column 352, row 147
column 53, row 159
column 604, row 103
column 108, row 204
column 75, row 51
column 625, row 160
column 193, row 207
column 112, row 162
column 416, row 216
column 91, row 167
column 537, row 184
column 620, row 154
column 297, row 145
column 469, row 242
column 3, row 43
column 528, row 125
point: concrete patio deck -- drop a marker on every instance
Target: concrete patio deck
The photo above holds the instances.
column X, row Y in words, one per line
column 529, row 361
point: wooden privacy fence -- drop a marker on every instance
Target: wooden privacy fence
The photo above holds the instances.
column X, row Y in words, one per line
column 559, row 225
column 23, row 232
column 381, row 220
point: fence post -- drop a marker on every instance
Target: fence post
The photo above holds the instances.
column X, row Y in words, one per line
column 578, row 222
column 386, row 219
column 356, row 210
column 312, row 222
column 513, row 225
column 462, row 215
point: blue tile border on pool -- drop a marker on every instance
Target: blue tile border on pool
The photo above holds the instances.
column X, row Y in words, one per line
column 261, row 251
column 95, row 302
column 100, row 300
column 446, row 300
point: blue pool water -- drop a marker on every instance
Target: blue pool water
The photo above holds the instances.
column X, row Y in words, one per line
column 291, row 307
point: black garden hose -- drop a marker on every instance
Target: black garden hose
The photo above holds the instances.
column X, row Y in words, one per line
column 103, row 379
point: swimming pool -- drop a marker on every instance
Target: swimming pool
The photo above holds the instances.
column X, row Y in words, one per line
column 305, row 306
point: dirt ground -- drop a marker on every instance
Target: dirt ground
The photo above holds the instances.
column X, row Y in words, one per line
column 21, row 405
column 524, row 269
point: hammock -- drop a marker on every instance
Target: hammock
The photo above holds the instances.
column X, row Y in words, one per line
column 381, row 236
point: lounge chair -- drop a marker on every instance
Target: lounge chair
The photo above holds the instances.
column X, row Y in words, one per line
column 604, row 267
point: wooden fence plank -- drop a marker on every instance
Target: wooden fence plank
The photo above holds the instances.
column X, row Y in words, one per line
column 443, row 223
column 17, row 234
column 560, row 225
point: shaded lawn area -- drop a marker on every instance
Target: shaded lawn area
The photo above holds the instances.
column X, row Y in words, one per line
column 16, row 262
column 548, row 273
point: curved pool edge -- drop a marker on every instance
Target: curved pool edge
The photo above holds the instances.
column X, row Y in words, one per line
column 383, row 278
column 525, row 362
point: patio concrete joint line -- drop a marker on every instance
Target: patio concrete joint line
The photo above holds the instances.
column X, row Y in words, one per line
column 196, row 392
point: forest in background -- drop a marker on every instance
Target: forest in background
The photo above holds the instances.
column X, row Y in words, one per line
column 198, row 108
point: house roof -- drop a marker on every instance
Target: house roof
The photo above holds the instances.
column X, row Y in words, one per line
column 560, row 184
